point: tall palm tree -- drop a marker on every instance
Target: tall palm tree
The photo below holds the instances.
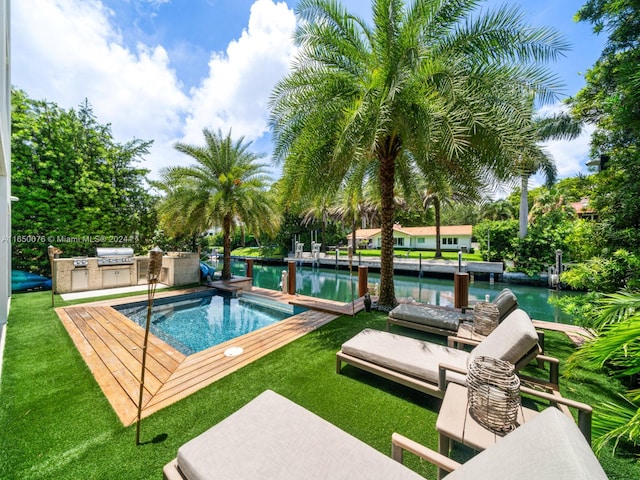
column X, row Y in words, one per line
column 369, row 101
column 534, row 159
column 225, row 187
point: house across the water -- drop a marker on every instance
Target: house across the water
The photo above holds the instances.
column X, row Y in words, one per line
column 452, row 237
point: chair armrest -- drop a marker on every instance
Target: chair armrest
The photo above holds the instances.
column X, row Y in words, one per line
column 442, row 374
column 585, row 412
column 454, row 341
column 400, row 443
column 554, row 372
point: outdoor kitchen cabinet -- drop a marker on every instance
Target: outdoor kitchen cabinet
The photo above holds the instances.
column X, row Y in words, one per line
column 79, row 280
column 116, row 277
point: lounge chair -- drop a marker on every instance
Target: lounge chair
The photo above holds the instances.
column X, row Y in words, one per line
column 274, row 438
column 548, row 447
column 444, row 320
column 428, row 367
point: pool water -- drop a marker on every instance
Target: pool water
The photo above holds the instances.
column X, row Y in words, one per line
column 341, row 286
column 192, row 323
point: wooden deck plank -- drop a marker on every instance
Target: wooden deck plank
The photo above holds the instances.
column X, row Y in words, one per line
column 120, row 402
column 114, row 358
column 111, row 345
column 132, row 340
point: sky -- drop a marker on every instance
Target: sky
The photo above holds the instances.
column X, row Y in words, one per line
column 163, row 70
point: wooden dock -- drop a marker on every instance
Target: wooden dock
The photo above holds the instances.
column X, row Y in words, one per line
column 111, row 345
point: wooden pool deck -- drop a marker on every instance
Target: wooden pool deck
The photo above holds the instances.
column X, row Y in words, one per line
column 111, row 345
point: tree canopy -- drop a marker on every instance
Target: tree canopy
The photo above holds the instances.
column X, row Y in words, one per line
column 433, row 88
column 77, row 187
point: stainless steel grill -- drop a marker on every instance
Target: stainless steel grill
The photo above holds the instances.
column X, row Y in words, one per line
column 114, row 256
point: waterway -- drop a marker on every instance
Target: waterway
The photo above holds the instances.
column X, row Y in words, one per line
column 342, row 285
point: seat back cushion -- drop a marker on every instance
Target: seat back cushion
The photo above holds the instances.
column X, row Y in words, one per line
column 548, row 447
column 510, row 341
column 506, row 302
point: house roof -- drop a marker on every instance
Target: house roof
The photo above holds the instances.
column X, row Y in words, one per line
column 461, row 230
column 582, row 206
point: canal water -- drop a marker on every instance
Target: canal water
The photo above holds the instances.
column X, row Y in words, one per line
column 342, row 286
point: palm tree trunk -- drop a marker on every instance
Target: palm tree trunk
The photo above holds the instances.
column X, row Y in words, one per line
column 353, row 236
column 226, row 264
column 524, row 205
column 436, row 207
column 387, row 297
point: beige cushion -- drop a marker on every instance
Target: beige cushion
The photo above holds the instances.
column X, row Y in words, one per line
column 406, row 355
column 426, row 315
column 506, row 302
column 512, row 339
column 548, row 447
column 272, row 437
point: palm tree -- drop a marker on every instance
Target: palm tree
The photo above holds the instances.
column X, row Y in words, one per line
column 467, row 190
column 534, row 159
column 226, row 186
column 615, row 348
column 369, row 101
column 498, row 210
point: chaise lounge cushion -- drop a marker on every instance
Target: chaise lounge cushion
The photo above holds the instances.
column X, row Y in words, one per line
column 506, row 302
column 272, row 437
column 426, row 315
column 512, row 339
column 406, row 355
column 550, row 446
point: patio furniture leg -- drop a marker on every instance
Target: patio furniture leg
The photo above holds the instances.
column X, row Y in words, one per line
column 444, row 447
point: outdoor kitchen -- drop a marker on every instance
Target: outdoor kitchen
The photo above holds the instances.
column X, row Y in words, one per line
column 119, row 267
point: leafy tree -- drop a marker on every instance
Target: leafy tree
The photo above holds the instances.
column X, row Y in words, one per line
column 496, row 238
column 498, row 210
column 611, row 101
column 533, row 159
column 432, row 83
column 225, row 187
column 78, row 188
column 552, row 221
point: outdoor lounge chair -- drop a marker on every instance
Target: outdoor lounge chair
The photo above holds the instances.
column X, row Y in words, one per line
column 548, row 447
column 428, row 367
column 443, row 320
column 273, row 438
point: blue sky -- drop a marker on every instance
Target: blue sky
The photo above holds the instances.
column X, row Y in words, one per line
column 165, row 69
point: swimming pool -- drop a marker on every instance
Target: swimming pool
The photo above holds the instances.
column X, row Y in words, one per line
column 194, row 322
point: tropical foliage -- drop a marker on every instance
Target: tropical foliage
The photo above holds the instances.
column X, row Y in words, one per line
column 616, row 348
column 77, row 187
column 225, row 187
column 432, row 86
column 533, row 159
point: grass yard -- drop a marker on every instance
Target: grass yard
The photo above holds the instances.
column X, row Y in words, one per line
column 57, row 424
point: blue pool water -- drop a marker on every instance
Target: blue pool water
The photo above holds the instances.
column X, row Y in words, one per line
column 192, row 323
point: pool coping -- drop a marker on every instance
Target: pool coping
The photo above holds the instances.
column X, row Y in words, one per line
column 111, row 346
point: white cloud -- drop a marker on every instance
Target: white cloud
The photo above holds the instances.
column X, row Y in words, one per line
column 236, row 92
column 67, row 50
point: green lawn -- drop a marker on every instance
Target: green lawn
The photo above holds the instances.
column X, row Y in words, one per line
column 56, row 423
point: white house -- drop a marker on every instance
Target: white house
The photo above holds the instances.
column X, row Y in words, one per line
column 5, row 167
column 452, row 237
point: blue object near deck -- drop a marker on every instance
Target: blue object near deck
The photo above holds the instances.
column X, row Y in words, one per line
column 24, row 281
